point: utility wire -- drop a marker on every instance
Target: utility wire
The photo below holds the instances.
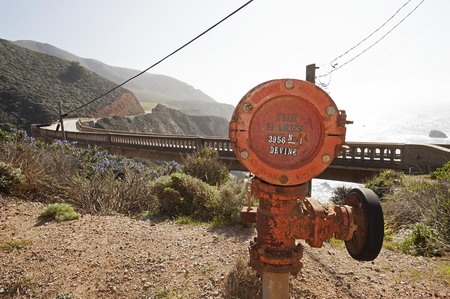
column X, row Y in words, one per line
column 155, row 64
column 376, row 42
column 376, row 30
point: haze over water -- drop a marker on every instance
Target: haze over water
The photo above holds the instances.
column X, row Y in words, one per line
column 410, row 124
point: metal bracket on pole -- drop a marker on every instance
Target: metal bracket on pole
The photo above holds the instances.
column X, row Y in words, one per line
column 311, row 73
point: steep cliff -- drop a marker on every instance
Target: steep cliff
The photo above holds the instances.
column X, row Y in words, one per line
column 167, row 121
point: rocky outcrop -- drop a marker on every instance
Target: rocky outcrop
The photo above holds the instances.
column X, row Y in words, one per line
column 437, row 134
column 125, row 104
column 167, row 121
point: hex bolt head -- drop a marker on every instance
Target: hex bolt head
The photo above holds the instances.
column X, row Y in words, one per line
column 289, row 84
column 326, row 158
column 331, row 110
column 247, row 107
column 244, row 154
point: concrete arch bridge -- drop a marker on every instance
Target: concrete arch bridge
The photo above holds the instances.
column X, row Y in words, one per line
column 357, row 162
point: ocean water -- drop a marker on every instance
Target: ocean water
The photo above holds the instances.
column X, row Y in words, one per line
column 401, row 124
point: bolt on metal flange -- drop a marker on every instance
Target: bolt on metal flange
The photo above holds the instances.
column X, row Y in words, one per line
column 244, row 154
column 289, row 84
column 247, row 107
column 326, row 158
column 331, row 110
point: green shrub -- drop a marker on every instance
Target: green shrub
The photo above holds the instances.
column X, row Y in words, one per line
column 339, row 195
column 5, row 136
column 442, row 173
column 232, row 197
column 185, row 220
column 424, row 241
column 15, row 244
column 420, row 201
column 10, row 177
column 183, row 195
column 206, row 166
column 388, row 241
column 384, row 183
column 59, row 212
column 73, row 73
column 165, row 169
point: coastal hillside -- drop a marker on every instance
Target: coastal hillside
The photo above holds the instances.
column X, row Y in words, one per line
column 150, row 89
column 32, row 84
column 167, row 121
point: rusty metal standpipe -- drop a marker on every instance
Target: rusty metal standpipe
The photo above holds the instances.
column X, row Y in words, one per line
column 287, row 132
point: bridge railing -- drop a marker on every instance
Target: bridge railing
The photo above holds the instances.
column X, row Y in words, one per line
column 412, row 158
column 363, row 154
column 382, row 155
column 174, row 143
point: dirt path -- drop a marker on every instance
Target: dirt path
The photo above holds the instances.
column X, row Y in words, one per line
column 120, row 257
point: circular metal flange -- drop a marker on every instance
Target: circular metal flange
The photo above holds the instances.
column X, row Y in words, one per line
column 286, row 131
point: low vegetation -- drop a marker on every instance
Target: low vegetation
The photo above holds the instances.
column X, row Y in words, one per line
column 14, row 245
column 242, row 282
column 416, row 210
column 10, row 177
column 59, row 212
column 93, row 181
column 23, row 285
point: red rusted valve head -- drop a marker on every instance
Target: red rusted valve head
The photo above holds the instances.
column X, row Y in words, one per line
column 286, row 131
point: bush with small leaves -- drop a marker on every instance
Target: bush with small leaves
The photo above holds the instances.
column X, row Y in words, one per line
column 73, row 73
column 182, row 195
column 339, row 195
column 232, row 197
column 10, row 177
column 166, row 169
column 384, row 183
column 420, row 201
column 442, row 173
column 423, row 240
column 14, row 244
column 59, row 212
column 206, row 166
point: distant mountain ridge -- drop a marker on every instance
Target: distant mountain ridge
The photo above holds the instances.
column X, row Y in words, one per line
column 150, row 89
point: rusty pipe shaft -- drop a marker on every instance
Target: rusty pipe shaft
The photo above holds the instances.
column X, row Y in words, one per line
column 285, row 215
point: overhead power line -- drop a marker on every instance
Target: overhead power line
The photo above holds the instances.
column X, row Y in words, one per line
column 156, row 63
column 373, row 44
column 370, row 35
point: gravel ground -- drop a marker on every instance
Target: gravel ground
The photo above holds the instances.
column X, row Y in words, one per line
column 121, row 257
